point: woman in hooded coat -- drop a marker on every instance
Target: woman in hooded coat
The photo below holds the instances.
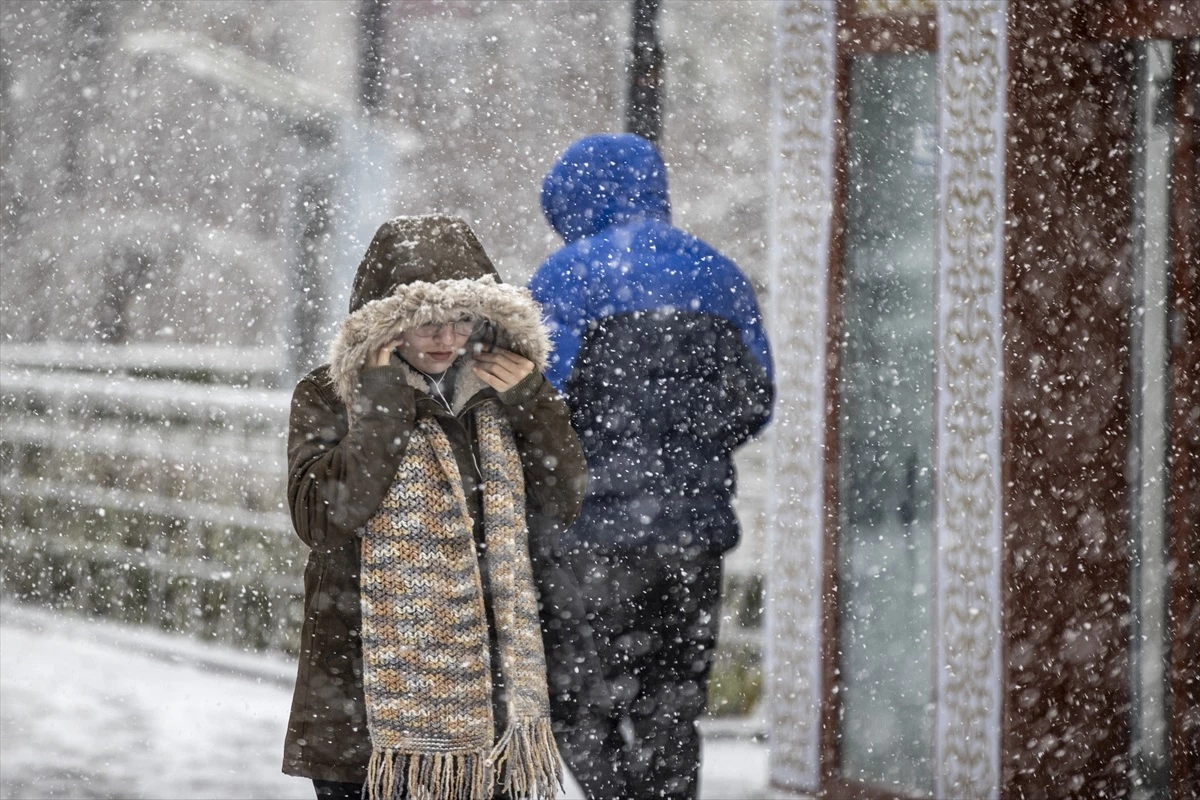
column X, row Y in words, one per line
column 420, row 459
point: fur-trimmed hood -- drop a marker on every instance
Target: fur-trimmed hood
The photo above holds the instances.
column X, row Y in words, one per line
column 436, row 271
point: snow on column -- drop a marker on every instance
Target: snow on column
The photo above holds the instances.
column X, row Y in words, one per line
column 801, row 190
column 972, row 87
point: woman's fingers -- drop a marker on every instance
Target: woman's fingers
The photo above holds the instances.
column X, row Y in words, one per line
column 500, row 354
column 499, row 372
column 506, row 359
column 502, row 369
column 492, row 379
column 383, row 356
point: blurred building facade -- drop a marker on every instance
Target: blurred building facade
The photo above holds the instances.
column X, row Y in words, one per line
column 155, row 159
column 985, row 289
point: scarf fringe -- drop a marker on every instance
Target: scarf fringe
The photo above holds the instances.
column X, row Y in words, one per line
column 392, row 775
column 526, row 760
column 524, row 763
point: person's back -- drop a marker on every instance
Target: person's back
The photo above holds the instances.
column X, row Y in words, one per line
column 661, row 353
column 659, row 347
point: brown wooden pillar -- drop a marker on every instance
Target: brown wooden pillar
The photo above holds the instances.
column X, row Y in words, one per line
column 1184, row 456
column 1066, row 409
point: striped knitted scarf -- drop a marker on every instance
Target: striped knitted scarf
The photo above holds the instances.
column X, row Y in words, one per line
column 427, row 673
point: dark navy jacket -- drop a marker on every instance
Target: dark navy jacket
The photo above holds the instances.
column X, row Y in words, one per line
column 659, row 349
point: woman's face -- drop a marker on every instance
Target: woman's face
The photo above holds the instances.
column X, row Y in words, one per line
column 433, row 348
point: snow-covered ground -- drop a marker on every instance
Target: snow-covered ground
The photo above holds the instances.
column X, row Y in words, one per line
column 89, row 709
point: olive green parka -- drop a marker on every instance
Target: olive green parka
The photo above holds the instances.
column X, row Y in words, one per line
column 348, row 429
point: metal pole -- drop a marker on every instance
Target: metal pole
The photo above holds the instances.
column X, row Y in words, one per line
column 370, row 55
column 644, row 112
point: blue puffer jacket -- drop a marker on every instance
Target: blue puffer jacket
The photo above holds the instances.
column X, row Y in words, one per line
column 659, row 348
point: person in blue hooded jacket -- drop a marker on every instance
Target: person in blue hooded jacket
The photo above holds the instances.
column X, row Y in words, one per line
column 660, row 351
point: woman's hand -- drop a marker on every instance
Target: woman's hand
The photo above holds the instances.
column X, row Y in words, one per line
column 383, row 356
column 501, row 369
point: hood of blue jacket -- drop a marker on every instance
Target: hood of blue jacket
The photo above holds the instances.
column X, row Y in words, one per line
column 605, row 180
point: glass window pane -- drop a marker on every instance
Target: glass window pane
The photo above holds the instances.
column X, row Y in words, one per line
column 885, row 424
column 1154, row 125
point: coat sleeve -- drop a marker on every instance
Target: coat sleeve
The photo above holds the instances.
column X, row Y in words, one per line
column 734, row 398
column 337, row 474
column 555, row 469
column 560, row 286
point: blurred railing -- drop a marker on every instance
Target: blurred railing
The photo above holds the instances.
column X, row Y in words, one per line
column 145, row 483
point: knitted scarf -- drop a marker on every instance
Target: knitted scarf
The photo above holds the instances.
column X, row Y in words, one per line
column 426, row 661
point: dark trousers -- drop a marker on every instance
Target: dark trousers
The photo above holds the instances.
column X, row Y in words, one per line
column 654, row 614
column 335, row 790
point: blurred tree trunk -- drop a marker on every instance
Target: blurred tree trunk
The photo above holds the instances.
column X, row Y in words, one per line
column 89, row 30
column 11, row 201
column 128, row 273
column 644, row 112
column 313, row 212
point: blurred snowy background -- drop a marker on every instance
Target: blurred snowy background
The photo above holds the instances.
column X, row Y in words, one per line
column 190, row 172
column 186, row 190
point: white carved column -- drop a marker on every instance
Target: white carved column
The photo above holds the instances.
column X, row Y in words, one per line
column 972, row 46
column 801, row 191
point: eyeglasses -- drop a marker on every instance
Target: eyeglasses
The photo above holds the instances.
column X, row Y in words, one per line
column 462, row 327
